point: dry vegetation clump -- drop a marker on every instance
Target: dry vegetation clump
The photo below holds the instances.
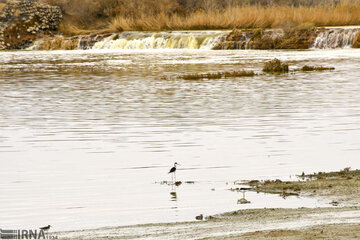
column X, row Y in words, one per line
column 345, row 173
column 156, row 15
column 307, row 68
column 218, row 75
column 275, row 66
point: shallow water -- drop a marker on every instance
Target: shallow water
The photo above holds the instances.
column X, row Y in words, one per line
column 85, row 135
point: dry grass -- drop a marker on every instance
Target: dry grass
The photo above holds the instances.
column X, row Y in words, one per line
column 2, row 5
column 157, row 15
column 244, row 17
column 70, row 29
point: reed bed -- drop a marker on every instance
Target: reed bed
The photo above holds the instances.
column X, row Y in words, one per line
column 244, row 17
column 160, row 15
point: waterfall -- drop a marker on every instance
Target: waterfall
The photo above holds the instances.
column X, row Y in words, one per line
column 161, row 40
column 335, row 38
column 217, row 40
column 36, row 45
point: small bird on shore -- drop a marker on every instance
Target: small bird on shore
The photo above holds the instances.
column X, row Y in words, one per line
column 173, row 170
column 46, row 228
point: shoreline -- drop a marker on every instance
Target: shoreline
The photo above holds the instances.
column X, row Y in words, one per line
column 262, row 223
column 235, row 225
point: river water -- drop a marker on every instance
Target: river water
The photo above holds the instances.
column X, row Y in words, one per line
column 86, row 136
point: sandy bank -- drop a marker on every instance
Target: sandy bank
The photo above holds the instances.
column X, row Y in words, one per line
column 245, row 224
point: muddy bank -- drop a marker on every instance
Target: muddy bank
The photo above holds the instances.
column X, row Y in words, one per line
column 342, row 187
column 244, row 224
column 269, row 223
column 333, row 231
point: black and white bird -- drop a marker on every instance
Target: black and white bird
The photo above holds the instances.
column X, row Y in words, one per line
column 173, row 171
column 46, row 228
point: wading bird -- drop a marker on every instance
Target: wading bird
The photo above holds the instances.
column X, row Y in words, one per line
column 173, row 172
column 46, row 228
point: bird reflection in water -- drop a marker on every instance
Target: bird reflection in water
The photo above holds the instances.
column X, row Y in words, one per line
column 243, row 200
column 173, row 196
column 173, row 192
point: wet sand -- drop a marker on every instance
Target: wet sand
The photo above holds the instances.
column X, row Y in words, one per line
column 302, row 223
column 338, row 231
column 245, row 224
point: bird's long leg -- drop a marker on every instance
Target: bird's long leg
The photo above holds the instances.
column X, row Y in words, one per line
column 175, row 176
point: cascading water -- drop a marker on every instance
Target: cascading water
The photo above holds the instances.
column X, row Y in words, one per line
column 335, row 38
column 219, row 40
column 162, row 40
column 37, row 45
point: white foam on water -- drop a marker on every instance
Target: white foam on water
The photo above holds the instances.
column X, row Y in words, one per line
column 335, row 38
column 162, row 40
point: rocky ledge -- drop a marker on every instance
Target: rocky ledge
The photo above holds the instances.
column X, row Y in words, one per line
column 23, row 21
column 290, row 39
